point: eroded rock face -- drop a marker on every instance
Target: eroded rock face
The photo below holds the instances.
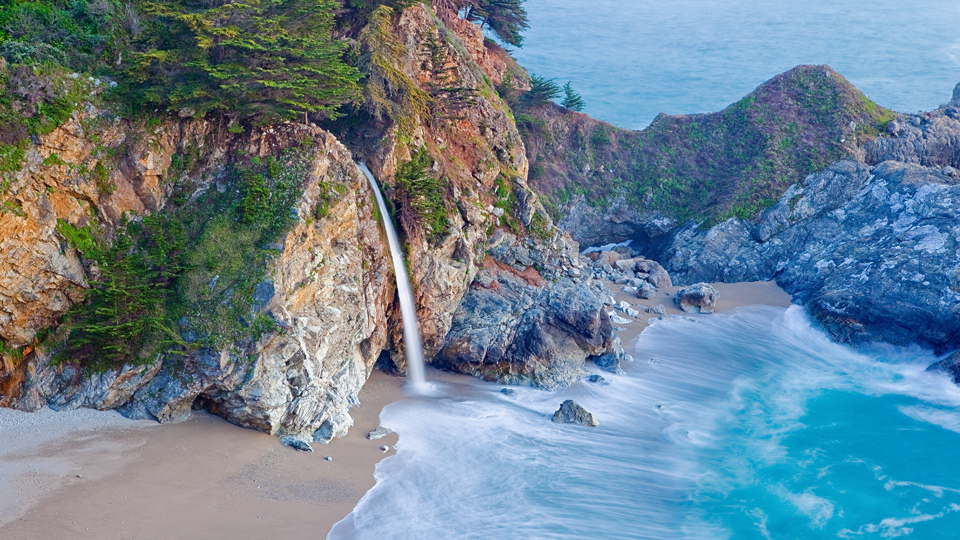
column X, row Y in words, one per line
column 329, row 292
column 698, row 298
column 517, row 325
column 871, row 251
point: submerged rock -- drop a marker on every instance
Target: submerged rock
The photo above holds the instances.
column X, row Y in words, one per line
column 379, row 433
column 949, row 365
column 570, row 412
column 699, row 298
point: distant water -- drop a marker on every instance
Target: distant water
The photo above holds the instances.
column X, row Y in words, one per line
column 632, row 59
column 746, row 426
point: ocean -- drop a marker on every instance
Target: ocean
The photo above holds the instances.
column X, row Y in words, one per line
column 753, row 425
column 633, row 59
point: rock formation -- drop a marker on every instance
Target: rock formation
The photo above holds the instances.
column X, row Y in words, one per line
column 698, row 298
column 571, row 412
column 279, row 334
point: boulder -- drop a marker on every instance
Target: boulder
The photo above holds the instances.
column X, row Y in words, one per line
column 646, row 291
column 699, row 298
column 570, row 412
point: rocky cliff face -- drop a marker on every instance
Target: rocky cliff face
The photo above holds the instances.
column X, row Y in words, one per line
column 327, row 291
column 480, row 157
column 278, row 308
column 870, row 248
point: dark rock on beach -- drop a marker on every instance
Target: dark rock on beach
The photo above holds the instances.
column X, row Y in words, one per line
column 570, row 412
column 699, row 298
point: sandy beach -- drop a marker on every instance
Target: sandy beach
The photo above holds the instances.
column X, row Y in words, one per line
column 96, row 475
column 732, row 296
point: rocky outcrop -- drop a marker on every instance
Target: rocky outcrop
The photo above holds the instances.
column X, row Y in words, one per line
column 312, row 327
column 607, row 184
column 949, row 366
column 698, row 298
column 870, row 250
column 521, row 325
column 496, row 224
column 328, row 300
column 571, row 412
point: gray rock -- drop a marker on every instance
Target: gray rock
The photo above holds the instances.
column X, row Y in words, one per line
column 659, row 309
column 379, row 433
column 296, row 443
column 596, row 378
column 526, row 330
column 570, row 412
column 646, row 291
column 610, row 361
column 699, row 298
column 949, row 366
column 508, row 391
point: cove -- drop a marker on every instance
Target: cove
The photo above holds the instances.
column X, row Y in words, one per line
column 750, row 425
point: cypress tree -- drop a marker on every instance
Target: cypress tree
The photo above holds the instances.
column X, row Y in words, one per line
column 572, row 100
column 261, row 59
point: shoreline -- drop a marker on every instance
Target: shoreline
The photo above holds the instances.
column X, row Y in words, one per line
column 133, row 479
column 732, row 296
column 101, row 476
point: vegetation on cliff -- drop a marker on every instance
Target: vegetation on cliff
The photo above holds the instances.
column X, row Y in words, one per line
column 706, row 167
column 190, row 271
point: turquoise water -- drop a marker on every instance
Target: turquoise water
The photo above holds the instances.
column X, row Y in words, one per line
column 632, row 59
column 751, row 425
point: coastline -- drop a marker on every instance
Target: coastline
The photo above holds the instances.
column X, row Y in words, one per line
column 125, row 479
column 732, row 296
column 201, row 477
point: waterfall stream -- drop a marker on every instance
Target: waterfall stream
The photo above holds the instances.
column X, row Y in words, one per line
column 411, row 330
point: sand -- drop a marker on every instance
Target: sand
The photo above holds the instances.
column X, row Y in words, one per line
column 732, row 296
column 96, row 475
column 202, row 478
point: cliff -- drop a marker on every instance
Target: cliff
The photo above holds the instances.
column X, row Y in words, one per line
column 871, row 248
column 162, row 264
column 608, row 184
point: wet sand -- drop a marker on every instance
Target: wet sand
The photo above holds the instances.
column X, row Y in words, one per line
column 95, row 475
column 732, row 296
column 202, row 478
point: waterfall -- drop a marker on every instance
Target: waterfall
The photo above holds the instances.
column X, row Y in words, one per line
column 411, row 330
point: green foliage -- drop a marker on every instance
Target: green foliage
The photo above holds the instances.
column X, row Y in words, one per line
column 79, row 34
column 83, row 239
column 101, row 179
column 572, row 100
column 601, row 135
column 421, row 197
column 262, row 59
column 387, row 90
column 542, row 91
column 506, row 18
column 190, row 271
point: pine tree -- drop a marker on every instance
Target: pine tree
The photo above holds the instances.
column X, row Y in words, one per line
column 542, row 91
column 260, row 59
column 572, row 100
column 506, row 18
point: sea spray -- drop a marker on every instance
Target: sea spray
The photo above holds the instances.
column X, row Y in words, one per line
column 411, row 331
column 748, row 426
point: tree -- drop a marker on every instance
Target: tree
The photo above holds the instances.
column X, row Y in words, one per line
column 262, row 59
column 506, row 18
column 542, row 91
column 572, row 100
